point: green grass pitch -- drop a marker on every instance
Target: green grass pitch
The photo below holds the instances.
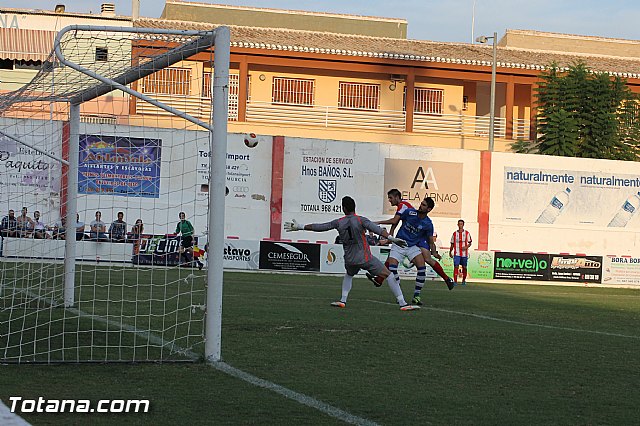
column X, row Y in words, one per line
column 480, row 354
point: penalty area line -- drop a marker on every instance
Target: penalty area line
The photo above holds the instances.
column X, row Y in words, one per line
column 239, row 374
column 223, row 367
column 7, row 418
column 293, row 395
column 527, row 324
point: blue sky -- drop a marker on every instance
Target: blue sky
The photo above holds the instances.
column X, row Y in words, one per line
column 439, row 20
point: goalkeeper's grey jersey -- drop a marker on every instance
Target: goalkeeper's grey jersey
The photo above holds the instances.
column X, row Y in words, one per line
column 352, row 232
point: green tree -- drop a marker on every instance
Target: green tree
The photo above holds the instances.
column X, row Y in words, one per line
column 585, row 114
column 561, row 132
column 523, row 146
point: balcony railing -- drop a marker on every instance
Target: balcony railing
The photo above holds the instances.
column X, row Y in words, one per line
column 458, row 124
column 334, row 117
column 193, row 105
column 325, row 116
column 521, row 129
column 98, row 119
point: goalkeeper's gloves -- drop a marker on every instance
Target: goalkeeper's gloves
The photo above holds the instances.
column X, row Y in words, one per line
column 293, row 226
column 397, row 241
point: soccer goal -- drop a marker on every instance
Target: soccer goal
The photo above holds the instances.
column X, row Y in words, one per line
column 106, row 160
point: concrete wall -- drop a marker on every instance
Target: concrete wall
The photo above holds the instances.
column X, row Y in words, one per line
column 566, row 43
column 317, row 173
column 272, row 18
column 41, row 20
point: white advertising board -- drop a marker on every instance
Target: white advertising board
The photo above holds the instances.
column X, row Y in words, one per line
column 571, row 197
column 248, row 170
column 318, row 173
column 248, row 186
column 621, row 270
column 54, row 250
column 332, row 258
column 551, row 204
column 27, row 177
column 241, row 254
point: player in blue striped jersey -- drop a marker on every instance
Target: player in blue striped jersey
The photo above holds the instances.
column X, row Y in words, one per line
column 416, row 228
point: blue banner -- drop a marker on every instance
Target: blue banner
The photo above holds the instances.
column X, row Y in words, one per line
column 115, row 165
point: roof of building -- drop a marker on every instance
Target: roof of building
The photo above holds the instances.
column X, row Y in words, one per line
column 573, row 36
column 287, row 11
column 571, row 43
column 402, row 49
column 219, row 14
column 45, row 12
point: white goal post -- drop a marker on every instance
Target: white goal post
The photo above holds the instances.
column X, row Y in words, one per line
column 75, row 77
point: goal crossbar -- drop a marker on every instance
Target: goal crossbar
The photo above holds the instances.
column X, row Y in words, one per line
column 175, row 55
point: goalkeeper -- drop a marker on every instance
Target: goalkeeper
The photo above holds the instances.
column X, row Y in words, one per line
column 357, row 254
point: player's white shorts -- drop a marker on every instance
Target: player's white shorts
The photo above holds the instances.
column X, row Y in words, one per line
column 398, row 253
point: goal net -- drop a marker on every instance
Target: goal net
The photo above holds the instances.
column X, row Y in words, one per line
column 104, row 197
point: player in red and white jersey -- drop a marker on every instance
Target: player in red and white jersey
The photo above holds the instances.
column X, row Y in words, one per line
column 395, row 199
column 402, row 206
column 427, row 247
column 459, row 251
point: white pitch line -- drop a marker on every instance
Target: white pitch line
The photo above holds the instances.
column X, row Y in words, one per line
column 232, row 371
column 486, row 317
column 7, row 418
column 296, row 396
column 528, row 324
column 626, row 296
column 470, row 314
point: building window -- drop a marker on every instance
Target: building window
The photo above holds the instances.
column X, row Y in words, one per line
column 293, row 91
column 234, row 85
column 168, row 81
column 359, row 96
column 234, row 91
column 6, row 64
column 102, row 54
column 27, row 65
column 206, row 84
column 428, row 101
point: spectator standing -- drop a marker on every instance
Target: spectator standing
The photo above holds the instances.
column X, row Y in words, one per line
column 137, row 230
